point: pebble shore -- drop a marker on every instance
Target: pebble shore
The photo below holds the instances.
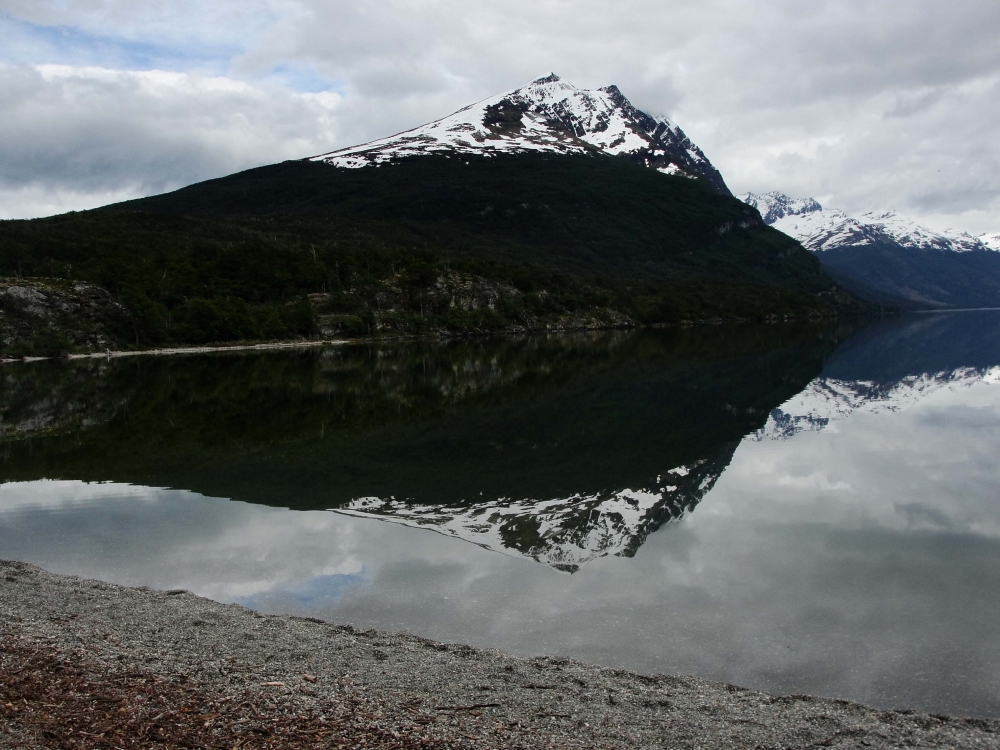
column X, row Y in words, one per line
column 86, row 664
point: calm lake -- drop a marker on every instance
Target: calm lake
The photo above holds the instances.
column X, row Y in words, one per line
column 795, row 508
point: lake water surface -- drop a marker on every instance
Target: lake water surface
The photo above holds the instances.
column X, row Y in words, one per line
column 793, row 508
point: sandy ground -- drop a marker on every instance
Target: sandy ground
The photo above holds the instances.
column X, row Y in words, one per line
column 85, row 664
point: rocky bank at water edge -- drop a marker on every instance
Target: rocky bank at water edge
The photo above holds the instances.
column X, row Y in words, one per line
column 85, row 664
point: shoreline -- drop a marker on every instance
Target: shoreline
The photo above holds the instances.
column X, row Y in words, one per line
column 170, row 351
column 312, row 343
column 87, row 664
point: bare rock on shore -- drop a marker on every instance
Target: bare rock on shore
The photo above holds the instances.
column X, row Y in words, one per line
column 85, row 664
column 47, row 317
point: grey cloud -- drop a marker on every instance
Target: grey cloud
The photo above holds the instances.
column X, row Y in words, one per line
column 97, row 131
column 854, row 49
column 908, row 105
column 921, row 514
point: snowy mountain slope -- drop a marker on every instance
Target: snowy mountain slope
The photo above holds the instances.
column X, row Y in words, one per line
column 828, row 400
column 992, row 241
column 889, row 258
column 549, row 115
column 562, row 532
column 909, row 233
column 826, row 229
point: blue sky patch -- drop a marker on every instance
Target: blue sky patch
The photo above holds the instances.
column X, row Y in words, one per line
column 34, row 44
column 302, row 78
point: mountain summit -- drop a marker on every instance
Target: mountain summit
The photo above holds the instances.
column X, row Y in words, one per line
column 548, row 115
column 774, row 206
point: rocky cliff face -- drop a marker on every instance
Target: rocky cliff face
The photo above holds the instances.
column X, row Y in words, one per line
column 549, row 115
column 452, row 302
column 46, row 317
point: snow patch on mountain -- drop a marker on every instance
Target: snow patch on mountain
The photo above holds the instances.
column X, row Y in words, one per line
column 548, row 115
column 673, row 169
column 991, row 241
column 820, row 229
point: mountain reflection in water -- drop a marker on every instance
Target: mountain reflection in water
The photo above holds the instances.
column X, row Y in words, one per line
column 892, row 366
column 562, row 448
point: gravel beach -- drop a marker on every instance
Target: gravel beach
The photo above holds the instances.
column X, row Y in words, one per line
column 85, row 664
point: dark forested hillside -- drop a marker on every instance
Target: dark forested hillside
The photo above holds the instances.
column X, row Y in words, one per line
column 923, row 278
column 587, row 214
column 428, row 243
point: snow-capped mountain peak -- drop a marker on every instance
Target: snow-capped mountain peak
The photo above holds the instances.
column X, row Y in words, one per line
column 550, row 115
column 773, row 206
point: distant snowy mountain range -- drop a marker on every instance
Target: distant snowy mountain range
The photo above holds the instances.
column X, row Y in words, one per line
column 821, row 229
column 549, row 115
column 887, row 257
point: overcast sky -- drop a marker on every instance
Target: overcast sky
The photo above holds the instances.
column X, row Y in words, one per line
column 863, row 105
